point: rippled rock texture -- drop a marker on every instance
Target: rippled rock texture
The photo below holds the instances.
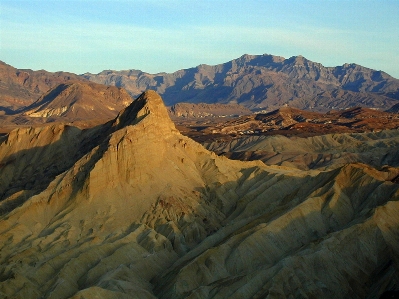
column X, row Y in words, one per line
column 133, row 209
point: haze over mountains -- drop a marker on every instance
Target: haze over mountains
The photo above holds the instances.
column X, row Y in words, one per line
column 137, row 210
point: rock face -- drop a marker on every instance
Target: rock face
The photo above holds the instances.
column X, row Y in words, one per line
column 286, row 121
column 265, row 82
column 83, row 104
column 80, row 101
column 140, row 211
column 20, row 88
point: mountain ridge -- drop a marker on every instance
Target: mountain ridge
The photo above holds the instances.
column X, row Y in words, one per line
column 265, row 82
column 255, row 81
column 75, row 100
column 21, row 87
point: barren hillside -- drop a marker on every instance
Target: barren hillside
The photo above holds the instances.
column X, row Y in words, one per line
column 133, row 209
column 20, row 88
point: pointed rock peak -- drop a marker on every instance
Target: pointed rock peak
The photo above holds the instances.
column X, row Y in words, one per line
column 297, row 60
column 300, row 59
column 149, row 105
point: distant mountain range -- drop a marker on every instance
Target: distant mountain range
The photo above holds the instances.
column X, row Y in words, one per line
column 200, row 110
column 265, row 82
column 258, row 82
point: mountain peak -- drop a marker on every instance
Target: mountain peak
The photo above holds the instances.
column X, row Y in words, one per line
column 298, row 60
column 148, row 107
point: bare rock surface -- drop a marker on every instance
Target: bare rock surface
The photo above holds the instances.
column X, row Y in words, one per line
column 80, row 101
column 319, row 152
column 81, row 104
column 136, row 210
column 21, row 87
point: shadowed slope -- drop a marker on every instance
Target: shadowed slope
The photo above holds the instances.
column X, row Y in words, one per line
column 149, row 213
column 20, row 88
column 142, row 164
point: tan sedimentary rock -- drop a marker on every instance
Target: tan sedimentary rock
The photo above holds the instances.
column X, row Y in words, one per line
column 318, row 152
column 141, row 211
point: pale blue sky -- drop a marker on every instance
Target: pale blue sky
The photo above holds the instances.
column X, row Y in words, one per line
column 154, row 36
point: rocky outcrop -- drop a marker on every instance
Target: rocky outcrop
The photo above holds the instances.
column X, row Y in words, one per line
column 141, row 211
column 81, row 104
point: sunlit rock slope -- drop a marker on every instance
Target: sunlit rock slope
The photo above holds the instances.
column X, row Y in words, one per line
column 133, row 209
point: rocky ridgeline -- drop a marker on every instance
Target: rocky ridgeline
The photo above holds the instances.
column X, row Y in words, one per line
column 80, row 101
column 258, row 82
column 265, row 82
column 20, row 88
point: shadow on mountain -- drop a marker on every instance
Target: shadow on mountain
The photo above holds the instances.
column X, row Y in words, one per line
column 326, row 230
column 208, row 94
column 29, row 171
column 158, row 214
column 48, row 97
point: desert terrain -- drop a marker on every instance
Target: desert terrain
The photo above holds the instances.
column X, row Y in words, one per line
column 104, row 195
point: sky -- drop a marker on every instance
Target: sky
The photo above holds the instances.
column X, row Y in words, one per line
column 167, row 35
